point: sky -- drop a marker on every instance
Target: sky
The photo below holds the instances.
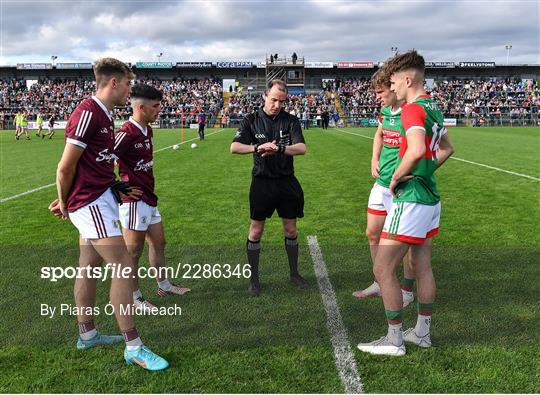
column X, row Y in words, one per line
column 83, row 31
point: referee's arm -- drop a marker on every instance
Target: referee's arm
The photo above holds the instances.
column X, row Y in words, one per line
column 295, row 149
column 239, row 148
column 243, row 140
column 298, row 146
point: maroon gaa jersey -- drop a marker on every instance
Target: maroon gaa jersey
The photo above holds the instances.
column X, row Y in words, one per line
column 135, row 151
column 91, row 127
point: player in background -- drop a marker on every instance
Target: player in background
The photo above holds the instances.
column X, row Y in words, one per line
column 39, row 123
column 383, row 162
column 23, row 125
column 414, row 217
column 201, row 120
column 50, row 126
column 17, row 124
column 85, row 181
column 140, row 218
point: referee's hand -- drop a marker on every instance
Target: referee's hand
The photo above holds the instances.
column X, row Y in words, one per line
column 267, row 149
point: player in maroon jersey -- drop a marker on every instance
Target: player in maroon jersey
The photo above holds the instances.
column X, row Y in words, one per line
column 84, row 179
column 140, row 218
column 50, row 126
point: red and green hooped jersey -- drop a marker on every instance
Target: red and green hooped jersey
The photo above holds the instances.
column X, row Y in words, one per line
column 423, row 114
column 391, row 128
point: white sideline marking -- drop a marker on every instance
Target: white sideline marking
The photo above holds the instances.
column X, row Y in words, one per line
column 460, row 159
column 3, row 200
column 345, row 362
column 26, row 193
column 187, row 141
column 354, row 134
column 496, row 168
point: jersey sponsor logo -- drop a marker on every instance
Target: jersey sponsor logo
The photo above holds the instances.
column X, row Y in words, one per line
column 142, row 166
column 104, row 130
column 391, row 137
column 106, row 156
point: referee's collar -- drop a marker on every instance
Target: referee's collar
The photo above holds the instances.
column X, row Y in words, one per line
column 281, row 111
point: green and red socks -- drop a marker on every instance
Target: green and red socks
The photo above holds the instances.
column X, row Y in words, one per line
column 407, row 284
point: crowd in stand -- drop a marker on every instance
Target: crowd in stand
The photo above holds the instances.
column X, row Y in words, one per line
column 357, row 98
column 61, row 96
column 303, row 106
column 456, row 97
column 460, row 98
column 490, row 98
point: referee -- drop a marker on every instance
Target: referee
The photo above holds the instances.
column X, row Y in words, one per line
column 273, row 136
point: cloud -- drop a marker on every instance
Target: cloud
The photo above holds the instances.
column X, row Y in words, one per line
column 248, row 30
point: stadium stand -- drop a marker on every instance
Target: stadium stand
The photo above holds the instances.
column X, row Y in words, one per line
column 473, row 100
column 61, row 96
column 464, row 99
column 242, row 104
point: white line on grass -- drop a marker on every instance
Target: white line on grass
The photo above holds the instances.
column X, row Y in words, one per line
column 187, row 141
column 26, row 193
column 345, row 362
column 460, row 159
column 496, row 168
column 6, row 199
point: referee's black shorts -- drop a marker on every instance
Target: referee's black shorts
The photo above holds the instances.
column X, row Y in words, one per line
column 282, row 194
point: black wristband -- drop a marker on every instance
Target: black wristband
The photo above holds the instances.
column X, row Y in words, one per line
column 281, row 148
column 256, row 149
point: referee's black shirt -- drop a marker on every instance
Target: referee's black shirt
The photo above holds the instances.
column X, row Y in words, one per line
column 259, row 128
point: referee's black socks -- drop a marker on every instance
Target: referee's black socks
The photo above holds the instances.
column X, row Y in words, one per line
column 291, row 247
column 253, row 251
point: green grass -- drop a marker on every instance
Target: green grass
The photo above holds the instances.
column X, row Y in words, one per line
column 485, row 260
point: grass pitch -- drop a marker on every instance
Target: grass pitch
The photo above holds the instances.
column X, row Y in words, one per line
column 485, row 261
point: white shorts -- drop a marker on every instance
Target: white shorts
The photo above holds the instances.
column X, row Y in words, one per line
column 138, row 216
column 380, row 200
column 51, row 128
column 99, row 219
column 411, row 222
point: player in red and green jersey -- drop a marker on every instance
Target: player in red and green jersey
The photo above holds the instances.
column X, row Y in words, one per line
column 414, row 217
column 383, row 163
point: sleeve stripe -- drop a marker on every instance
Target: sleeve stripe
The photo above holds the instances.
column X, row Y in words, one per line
column 76, row 142
column 119, row 137
column 85, row 126
column 84, row 121
column 421, row 128
column 81, row 121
